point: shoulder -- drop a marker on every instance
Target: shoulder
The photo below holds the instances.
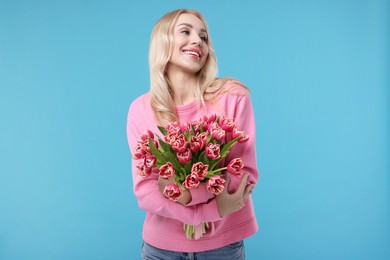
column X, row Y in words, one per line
column 139, row 106
column 140, row 102
column 228, row 97
column 225, row 87
column 235, row 87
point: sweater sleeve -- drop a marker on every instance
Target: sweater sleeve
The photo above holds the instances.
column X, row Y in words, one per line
column 245, row 121
column 146, row 188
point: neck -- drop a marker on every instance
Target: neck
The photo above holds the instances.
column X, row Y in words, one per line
column 183, row 86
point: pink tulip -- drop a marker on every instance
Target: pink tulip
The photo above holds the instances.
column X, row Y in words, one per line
column 149, row 161
column 217, row 132
column 138, row 152
column 227, row 124
column 170, row 137
column 173, row 127
column 213, row 151
column 180, row 144
column 209, row 118
column 235, row 166
column 196, row 126
column 184, row 157
column 173, row 192
column 199, row 169
column 243, row 136
column 206, row 120
column 166, row 171
column 197, row 142
column 205, row 126
column 185, row 127
column 141, row 150
column 203, row 136
column 216, row 184
column 191, row 181
column 142, row 170
column 194, row 144
column 146, row 135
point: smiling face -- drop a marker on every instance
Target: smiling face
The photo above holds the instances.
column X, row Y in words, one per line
column 190, row 49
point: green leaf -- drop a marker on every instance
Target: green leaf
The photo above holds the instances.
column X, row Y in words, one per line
column 166, row 147
column 203, row 158
column 162, row 130
column 155, row 151
column 188, row 167
column 187, row 135
column 210, row 139
column 226, row 148
column 171, row 157
column 214, row 163
column 160, row 162
column 201, row 128
column 193, row 129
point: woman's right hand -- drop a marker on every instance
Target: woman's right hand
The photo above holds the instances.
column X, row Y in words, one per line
column 228, row 203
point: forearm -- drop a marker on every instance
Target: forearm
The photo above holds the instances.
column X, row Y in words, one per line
column 151, row 199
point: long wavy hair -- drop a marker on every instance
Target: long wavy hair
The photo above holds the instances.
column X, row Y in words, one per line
column 160, row 52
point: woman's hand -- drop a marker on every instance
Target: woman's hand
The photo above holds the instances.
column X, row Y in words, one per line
column 228, row 203
column 162, row 182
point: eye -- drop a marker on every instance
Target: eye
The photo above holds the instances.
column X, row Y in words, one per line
column 186, row 32
column 204, row 38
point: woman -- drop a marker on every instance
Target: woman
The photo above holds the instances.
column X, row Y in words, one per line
column 183, row 88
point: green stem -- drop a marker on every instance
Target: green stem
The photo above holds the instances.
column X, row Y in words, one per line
column 211, row 173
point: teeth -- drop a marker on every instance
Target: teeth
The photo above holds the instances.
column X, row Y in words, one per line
column 192, row 52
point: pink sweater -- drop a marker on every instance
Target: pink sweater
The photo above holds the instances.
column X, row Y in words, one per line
column 163, row 226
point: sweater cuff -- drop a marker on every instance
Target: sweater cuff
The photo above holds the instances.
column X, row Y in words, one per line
column 211, row 213
column 200, row 195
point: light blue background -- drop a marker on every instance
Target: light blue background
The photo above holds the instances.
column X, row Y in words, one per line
column 319, row 76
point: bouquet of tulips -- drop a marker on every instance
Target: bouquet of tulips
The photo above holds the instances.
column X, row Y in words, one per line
column 191, row 153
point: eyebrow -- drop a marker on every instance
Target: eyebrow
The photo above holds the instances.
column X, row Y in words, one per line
column 190, row 25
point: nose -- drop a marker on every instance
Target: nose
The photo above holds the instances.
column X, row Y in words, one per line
column 195, row 39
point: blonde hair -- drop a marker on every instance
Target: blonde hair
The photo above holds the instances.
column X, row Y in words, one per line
column 160, row 51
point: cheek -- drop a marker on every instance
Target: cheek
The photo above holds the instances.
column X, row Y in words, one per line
column 206, row 53
column 176, row 48
column 206, row 50
column 180, row 41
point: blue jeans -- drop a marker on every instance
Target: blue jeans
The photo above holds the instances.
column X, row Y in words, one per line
column 234, row 251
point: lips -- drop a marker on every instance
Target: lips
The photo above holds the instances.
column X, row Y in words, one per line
column 194, row 52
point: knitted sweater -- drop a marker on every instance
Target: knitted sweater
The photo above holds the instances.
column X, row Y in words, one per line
column 163, row 226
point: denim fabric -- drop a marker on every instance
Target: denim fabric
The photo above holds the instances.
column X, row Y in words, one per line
column 234, row 251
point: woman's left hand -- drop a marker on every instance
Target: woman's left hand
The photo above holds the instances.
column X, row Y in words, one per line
column 228, row 203
column 184, row 199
